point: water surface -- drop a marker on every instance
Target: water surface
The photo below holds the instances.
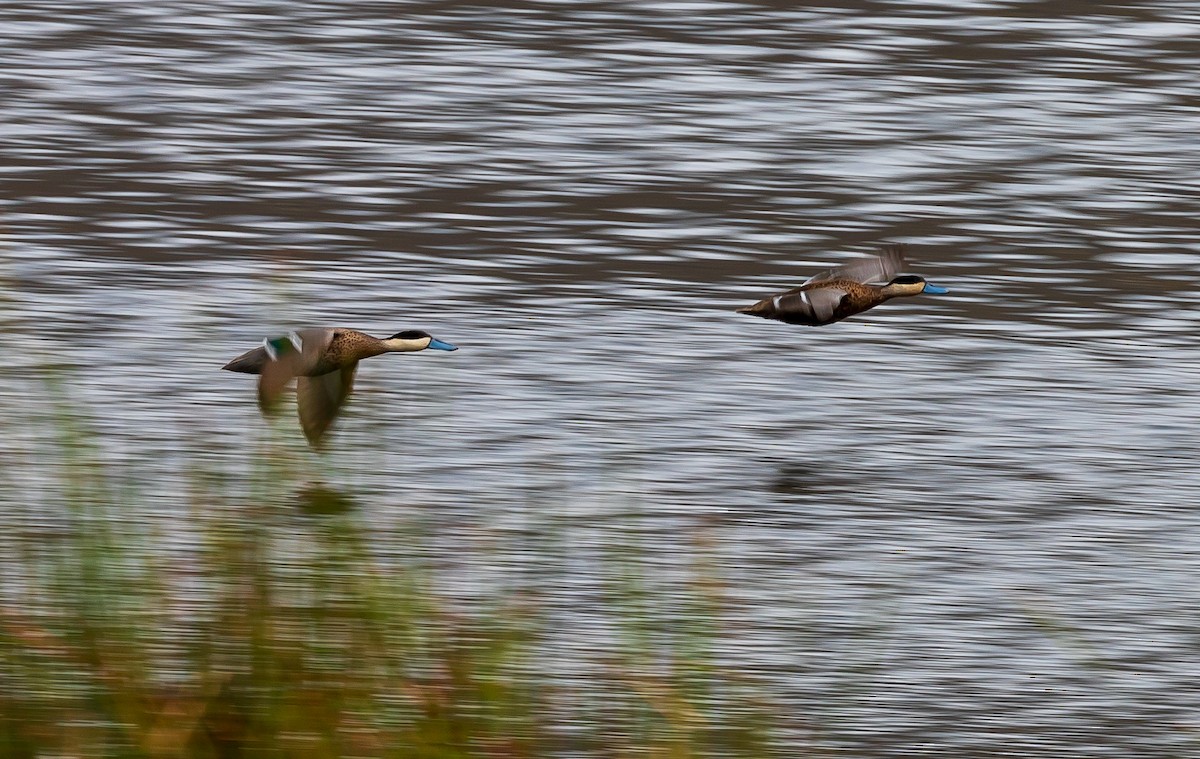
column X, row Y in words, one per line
column 960, row 524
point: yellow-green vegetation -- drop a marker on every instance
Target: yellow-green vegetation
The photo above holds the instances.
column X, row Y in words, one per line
column 264, row 629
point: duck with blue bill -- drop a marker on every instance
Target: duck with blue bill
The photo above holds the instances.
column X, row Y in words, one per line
column 323, row 361
column 847, row 290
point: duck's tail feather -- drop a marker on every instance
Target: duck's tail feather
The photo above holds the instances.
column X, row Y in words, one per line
column 250, row 362
column 764, row 308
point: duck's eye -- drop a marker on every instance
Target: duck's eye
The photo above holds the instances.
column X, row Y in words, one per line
column 907, row 279
column 410, row 334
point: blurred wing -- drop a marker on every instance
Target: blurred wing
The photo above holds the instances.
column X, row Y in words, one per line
column 880, row 268
column 284, row 360
column 286, row 357
column 318, row 399
column 817, row 304
column 315, row 341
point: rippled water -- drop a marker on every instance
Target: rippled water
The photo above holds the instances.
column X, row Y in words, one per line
column 960, row 525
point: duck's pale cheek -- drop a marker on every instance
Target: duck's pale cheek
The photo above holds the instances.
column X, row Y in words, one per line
column 404, row 346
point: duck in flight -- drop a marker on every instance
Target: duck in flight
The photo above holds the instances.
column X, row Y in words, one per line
column 323, row 360
column 833, row 295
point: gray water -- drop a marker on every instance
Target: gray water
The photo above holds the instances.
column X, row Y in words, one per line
column 955, row 526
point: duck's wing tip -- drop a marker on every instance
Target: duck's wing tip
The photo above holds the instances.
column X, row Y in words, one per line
column 881, row 267
column 320, row 398
column 891, row 258
column 272, row 381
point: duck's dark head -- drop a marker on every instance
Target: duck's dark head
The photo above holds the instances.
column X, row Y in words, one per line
column 911, row 284
column 416, row 340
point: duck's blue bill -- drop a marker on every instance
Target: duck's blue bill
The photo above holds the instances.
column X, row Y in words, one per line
column 438, row 345
column 934, row 289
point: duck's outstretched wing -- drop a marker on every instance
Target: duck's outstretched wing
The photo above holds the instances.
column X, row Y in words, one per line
column 879, row 268
column 286, row 357
column 318, row 400
column 801, row 305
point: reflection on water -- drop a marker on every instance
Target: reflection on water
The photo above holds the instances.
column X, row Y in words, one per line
column 961, row 524
column 316, row 498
